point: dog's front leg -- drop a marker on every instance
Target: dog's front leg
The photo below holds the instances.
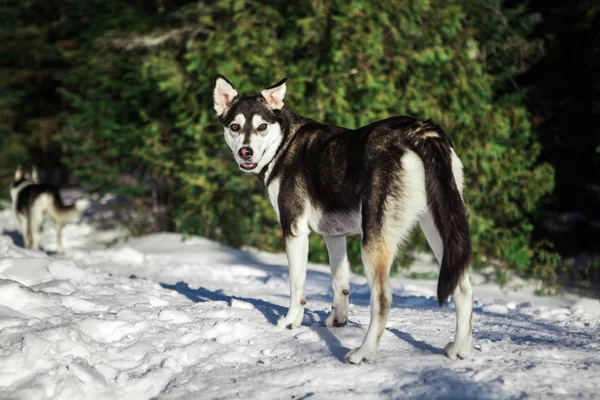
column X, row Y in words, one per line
column 296, row 248
column 340, row 270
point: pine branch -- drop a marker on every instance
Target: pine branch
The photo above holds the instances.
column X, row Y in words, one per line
column 163, row 38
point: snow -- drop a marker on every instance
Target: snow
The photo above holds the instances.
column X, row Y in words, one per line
column 162, row 317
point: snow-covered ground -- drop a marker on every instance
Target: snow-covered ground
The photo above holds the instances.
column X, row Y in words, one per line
column 158, row 317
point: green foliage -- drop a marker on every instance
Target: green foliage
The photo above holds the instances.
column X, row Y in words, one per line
column 139, row 97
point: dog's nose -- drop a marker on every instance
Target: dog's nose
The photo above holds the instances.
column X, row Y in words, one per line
column 246, row 153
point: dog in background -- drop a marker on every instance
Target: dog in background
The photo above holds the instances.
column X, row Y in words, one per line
column 33, row 202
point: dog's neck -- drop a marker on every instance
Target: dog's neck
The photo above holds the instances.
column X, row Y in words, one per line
column 18, row 186
column 290, row 123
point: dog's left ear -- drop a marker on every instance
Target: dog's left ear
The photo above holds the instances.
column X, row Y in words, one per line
column 19, row 173
column 274, row 95
column 223, row 94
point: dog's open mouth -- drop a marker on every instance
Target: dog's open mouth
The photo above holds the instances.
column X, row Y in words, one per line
column 248, row 166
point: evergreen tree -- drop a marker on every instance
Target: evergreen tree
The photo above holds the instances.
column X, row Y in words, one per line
column 138, row 111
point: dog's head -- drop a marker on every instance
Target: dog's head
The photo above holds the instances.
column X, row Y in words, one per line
column 251, row 123
column 22, row 178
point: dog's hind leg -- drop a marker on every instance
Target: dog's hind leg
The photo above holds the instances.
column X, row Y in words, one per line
column 33, row 229
column 340, row 270
column 36, row 217
column 463, row 302
column 24, row 224
column 377, row 259
column 391, row 208
column 432, row 235
column 59, row 245
column 34, row 232
column 297, row 253
column 462, row 295
column 460, row 348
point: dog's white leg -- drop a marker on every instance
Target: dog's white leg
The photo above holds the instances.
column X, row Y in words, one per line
column 463, row 296
column 34, row 232
column 297, row 253
column 432, row 235
column 59, row 246
column 384, row 228
column 463, row 301
column 377, row 261
column 24, row 223
column 33, row 229
column 36, row 217
column 340, row 270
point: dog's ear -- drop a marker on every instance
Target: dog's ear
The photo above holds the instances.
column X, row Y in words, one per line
column 274, row 95
column 19, row 173
column 223, row 94
column 35, row 174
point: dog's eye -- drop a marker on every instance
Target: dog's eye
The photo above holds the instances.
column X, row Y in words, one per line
column 234, row 127
column 261, row 127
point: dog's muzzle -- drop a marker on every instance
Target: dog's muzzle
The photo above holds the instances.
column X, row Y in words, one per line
column 246, row 154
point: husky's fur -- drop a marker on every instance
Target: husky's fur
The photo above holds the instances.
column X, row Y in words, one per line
column 33, row 202
column 377, row 181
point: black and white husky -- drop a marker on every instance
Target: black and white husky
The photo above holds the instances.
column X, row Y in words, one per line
column 33, row 202
column 377, row 181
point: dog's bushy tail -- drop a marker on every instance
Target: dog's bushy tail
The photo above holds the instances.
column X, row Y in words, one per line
column 447, row 209
column 66, row 213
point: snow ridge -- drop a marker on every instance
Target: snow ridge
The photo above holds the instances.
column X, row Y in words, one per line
column 162, row 317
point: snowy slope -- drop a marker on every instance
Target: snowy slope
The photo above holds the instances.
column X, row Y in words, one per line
column 158, row 317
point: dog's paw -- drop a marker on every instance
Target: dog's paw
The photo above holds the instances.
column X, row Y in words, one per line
column 360, row 355
column 457, row 352
column 292, row 320
column 336, row 319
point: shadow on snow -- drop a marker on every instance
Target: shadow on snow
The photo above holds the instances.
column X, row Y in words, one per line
column 532, row 330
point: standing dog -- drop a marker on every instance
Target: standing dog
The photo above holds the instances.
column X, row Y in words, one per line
column 33, row 202
column 377, row 181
